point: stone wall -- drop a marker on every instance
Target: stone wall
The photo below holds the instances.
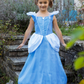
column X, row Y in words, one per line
column 72, row 54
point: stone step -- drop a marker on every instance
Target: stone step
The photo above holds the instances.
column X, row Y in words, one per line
column 17, row 63
column 10, row 82
column 10, row 73
column 13, row 52
column 14, row 74
column 70, row 76
column 17, row 73
column 14, row 40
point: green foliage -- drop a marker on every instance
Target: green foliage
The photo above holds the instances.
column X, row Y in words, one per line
column 7, row 28
column 78, row 34
column 68, row 30
column 3, row 77
column 17, row 9
column 81, row 53
column 79, row 63
column 82, row 81
column 68, row 67
column 80, row 76
column 16, row 82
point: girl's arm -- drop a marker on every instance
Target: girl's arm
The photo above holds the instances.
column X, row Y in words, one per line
column 58, row 31
column 27, row 33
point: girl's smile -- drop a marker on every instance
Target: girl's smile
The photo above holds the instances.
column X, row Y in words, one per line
column 43, row 5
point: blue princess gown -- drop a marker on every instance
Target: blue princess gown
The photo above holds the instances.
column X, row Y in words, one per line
column 43, row 65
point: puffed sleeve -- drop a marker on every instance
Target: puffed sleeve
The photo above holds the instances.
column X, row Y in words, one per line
column 54, row 13
column 33, row 14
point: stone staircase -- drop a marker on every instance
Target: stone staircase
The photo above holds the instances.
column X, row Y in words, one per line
column 14, row 59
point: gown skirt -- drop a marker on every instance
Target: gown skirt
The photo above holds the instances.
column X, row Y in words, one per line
column 43, row 66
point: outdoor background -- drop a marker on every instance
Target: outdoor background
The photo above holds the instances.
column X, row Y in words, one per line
column 14, row 21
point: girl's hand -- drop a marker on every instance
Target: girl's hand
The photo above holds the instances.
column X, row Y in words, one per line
column 64, row 45
column 20, row 46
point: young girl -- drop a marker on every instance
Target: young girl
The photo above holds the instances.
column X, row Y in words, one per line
column 43, row 65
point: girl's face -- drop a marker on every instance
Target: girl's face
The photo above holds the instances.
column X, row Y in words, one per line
column 43, row 4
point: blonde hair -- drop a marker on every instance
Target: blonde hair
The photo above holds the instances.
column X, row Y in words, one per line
column 50, row 3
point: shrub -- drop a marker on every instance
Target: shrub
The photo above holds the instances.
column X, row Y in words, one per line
column 16, row 10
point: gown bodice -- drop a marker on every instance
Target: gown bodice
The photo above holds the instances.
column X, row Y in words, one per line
column 43, row 25
column 43, row 28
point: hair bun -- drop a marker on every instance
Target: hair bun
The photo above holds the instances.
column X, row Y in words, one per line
column 50, row 3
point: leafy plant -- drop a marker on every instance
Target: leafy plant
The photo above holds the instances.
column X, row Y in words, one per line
column 6, row 28
column 3, row 77
column 78, row 34
column 16, row 80
column 82, row 81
